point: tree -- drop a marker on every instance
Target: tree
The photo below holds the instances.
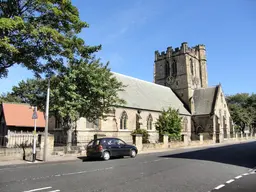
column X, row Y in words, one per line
column 40, row 35
column 9, row 98
column 242, row 107
column 169, row 122
column 82, row 90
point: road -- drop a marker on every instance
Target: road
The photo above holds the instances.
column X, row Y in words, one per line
column 192, row 170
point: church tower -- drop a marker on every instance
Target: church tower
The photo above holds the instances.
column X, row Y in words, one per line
column 183, row 70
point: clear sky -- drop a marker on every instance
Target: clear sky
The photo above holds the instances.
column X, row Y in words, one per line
column 130, row 31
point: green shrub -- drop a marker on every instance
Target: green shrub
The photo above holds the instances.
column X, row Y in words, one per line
column 169, row 122
column 144, row 133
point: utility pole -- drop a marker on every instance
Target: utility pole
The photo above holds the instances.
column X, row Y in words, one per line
column 34, row 116
column 46, row 121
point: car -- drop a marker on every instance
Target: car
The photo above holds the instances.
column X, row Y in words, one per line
column 106, row 148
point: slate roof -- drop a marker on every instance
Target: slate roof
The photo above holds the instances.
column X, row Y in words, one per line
column 204, row 100
column 20, row 115
column 148, row 96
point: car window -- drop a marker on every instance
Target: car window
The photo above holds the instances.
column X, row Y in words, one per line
column 94, row 143
column 120, row 142
column 104, row 142
column 115, row 142
column 111, row 142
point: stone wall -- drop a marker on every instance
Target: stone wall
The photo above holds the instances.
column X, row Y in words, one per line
column 152, row 146
column 25, row 153
column 111, row 127
column 17, row 153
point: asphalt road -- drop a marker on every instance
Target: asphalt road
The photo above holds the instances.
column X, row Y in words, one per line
column 184, row 170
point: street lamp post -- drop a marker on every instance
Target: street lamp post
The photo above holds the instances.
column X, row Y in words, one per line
column 46, row 121
column 34, row 116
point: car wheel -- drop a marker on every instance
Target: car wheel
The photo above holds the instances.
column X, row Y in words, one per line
column 106, row 155
column 133, row 153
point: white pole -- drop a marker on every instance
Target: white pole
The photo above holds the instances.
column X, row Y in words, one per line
column 34, row 143
column 46, row 121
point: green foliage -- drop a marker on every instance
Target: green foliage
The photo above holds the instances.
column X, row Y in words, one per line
column 169, row 122
column 83, row 90
column 144, row 133
column 41, row 35
column 9, row 98
column 242, row 107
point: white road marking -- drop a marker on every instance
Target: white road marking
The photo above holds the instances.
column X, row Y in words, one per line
column 38, row 189
column 54, row 190
column 230, row 181
column 238, row 177
column 86, row 171
column 246, row 174
column 220, row 186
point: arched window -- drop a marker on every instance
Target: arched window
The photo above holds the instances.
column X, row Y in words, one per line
column 149, row 122
column 191, row 66
column 123, row 120
column 174, row 68
column 167, row 69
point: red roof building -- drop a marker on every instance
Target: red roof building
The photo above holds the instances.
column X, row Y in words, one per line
column 18, row 117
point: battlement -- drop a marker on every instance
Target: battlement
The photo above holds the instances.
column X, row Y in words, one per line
column 179, row 50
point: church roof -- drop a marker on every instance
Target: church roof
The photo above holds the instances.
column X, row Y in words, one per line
column 148, row 96
column 204, row 100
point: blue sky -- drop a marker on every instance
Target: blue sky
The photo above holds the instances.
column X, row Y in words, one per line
column 130, row 32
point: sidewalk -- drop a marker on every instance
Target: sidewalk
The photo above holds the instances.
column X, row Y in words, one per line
column 65, row 158
column 51, row 159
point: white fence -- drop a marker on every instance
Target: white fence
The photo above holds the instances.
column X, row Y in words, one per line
column 18, row 140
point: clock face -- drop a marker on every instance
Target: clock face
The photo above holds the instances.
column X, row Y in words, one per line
column 170, row 80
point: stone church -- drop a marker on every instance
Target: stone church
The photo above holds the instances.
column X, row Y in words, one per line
column 184, row 70
column 180, row 82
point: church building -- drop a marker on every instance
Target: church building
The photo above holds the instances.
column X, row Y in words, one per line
column 180, row 82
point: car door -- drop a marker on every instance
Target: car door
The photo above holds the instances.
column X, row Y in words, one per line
column 113, row 147
column 124, row 148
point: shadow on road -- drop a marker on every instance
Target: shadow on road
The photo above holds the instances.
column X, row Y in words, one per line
column 243, row 155
column 86, row 159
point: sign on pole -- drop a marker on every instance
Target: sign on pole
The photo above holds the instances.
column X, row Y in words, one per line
column 34, row 116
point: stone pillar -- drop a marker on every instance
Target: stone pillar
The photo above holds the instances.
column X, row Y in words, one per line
column 138, row 142
column 221, row 137
column 201, row 138
column 242, row 136
column 165, row 141
column 236, row 136
column 50, row 144
column 185, row 140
